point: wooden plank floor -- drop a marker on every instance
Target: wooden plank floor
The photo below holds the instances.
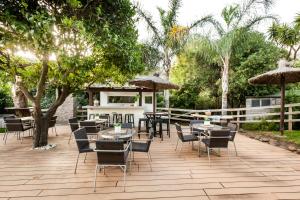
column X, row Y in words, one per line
column 260, row 171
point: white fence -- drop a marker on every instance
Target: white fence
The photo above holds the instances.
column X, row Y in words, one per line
column 240, row 114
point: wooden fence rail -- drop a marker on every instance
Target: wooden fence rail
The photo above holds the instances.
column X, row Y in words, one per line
column 242, row 115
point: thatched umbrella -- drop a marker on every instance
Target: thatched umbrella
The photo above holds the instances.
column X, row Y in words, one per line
column 280, row 76
column 153, row 82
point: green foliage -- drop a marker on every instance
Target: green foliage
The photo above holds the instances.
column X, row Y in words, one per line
column 5, row 97
column 48, row 98
column 90, row 43
column 2, row 130
column 198, row 71
column 290, row 136
column 263, row 125
column 198, row 74
column 81, row 98
column 287, row 36
column 250, row 57
column 151, row 57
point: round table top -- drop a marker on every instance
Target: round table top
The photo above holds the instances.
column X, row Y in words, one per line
column 111, row 134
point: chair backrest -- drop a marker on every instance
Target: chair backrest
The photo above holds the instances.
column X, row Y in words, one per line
column 73, row 124
column 179, row 131
column 52, row 121
column 192, row 122
column 14, row 124
column 233, row 130
column 109, row 154
column 150, row 138
column 127, row 125
column 219, row 138
column 81, row 138
column 9, row 117
column 90, row 126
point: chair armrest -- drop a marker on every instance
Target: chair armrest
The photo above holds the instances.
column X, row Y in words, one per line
column 89, row 140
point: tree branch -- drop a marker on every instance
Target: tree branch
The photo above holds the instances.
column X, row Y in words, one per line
column 65, row 92
column 25, row 91
column 42, row 80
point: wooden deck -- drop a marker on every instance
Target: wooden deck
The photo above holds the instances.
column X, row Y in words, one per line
column 261, row 171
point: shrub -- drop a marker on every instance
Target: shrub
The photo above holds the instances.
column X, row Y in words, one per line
column 263, row 125
column 5, row 99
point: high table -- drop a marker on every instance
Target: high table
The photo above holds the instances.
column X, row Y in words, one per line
column 152, row 116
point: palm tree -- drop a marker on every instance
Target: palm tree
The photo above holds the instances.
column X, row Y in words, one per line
column 237, row 19
column 170, row 37
column 287, row 36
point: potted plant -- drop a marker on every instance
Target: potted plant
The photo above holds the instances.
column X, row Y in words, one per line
column 136, row 98
column 206, row 121
column 117, row 127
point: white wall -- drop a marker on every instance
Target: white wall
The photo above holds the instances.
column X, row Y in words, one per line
column 104, row 99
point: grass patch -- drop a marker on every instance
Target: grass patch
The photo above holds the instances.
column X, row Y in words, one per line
column 291, row 136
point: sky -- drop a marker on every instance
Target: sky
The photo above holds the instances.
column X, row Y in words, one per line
column 191, row 10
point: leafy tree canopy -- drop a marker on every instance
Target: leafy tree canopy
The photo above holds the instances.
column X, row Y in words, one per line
column 90, row 41
column 198, row 70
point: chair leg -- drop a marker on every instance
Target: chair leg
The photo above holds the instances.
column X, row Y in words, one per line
column 208, row 154
column 95, row 178
column 228, row 156
column 176, row 144
column 150, row 155
column 124, row 177
column 149, row 160
column 70, row 138
column 76, row 163
column 55, row 131
column 181, row 147
column 85, row 157
column 5, row 136
column 236, row 154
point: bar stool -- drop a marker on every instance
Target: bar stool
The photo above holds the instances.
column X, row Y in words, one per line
column 159, row 122
column 166, row 120
column 146, row 124
column 129, row 118
column 117, row 118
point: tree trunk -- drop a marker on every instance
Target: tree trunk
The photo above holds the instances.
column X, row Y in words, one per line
column 41, row 121
column 19, row 99
column 225, row 85
column 167, row 68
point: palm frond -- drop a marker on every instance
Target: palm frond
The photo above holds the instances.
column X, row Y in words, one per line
column 257, row 19
column 252, row 5
column 201, row 22
column 297, row 20
column 174, row 6
column 148, row 19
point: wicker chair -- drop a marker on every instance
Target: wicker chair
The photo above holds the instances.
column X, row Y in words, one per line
column 112, row 153
column 83, row 144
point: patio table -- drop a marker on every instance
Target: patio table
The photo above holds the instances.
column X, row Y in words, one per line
column 206, row 129
column 124, row 134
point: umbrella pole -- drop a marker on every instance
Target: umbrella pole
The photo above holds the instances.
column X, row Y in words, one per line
column 154, row 100
column 282, row 110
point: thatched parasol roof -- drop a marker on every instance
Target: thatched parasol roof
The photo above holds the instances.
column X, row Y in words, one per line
column 292, row 75
column 153, row 82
